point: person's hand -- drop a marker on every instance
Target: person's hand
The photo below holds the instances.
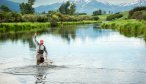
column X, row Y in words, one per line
column 35, row 34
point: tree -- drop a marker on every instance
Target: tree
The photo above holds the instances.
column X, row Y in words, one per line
column 103, row 12
column 131, row 12
column 67, row 8
column 31, row 2
column 62, row 9
column 72, row 9
column 97, row 12
column 4, row 8
column 26, row 8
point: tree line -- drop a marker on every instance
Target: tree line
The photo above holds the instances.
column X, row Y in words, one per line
column 138, row 13
column 66, row 12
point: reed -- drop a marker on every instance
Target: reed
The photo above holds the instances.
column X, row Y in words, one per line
column 34, row 26
column 129, row 28
column 22, row 27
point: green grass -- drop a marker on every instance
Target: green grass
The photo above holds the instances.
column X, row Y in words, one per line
column 125, row 14
column 33, row 26
column 129, row 28
column 103, row 17
column 22, row 27
column 80, row 22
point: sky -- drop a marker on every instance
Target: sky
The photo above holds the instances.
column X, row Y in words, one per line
column 46, row 2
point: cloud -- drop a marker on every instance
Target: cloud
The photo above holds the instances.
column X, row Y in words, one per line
column 118, row 1
column 19, row 1
column 46, row 2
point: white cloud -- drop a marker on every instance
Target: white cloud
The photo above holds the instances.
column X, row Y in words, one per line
column 19, row 1
column 46, row 2
column 118, row 1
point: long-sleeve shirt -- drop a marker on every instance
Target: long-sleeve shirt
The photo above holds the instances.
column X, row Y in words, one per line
column 41, row 48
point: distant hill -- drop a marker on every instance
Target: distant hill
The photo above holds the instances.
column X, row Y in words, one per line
column 12, row 5
column 46, row 8
column 88, row 6
column 83, row 6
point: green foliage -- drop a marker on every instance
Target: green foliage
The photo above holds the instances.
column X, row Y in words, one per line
column 99, row 12
column 34, row 18
column 114, row 16
column 72, row 9
column 67, row 8
column 139, row 15
column 26, row 8
column 4, row 8
column 95, row 18
column 131, row 12
column 22, row 27
column 42, row 18
column 9, row 17
column 127, row 27
column 55, row 17
column 52, row 16
column 29, row 18
column 31, row 2
column 6, row 15
column 81, row 13
column 11, row 28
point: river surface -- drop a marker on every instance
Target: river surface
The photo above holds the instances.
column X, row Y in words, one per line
column 81, row 54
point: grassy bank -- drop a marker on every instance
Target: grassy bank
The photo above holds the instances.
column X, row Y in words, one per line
column 22, row 27
column 79, row 22
column 103, row 17
column 129, row 28
column 36, row 26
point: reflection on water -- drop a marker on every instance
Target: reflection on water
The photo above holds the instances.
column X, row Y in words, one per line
column 41, row 75
column 82, row 54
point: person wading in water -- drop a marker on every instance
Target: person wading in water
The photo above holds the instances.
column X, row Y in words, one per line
column 40, row 51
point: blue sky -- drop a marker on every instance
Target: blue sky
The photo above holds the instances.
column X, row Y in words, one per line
column 46, row 2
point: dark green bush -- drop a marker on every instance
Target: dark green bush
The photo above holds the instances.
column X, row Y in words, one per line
column 114, row 16
column 131, row 12
column 42, row 18
column 95, row 18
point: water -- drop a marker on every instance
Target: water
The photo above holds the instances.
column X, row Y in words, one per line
column 82, row 54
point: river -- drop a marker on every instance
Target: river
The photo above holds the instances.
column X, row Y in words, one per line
column 81, row 54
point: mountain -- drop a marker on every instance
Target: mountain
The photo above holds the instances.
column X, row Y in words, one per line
column 46, row 8
column 12, row 5
column 92, row 5
column 88, row 6
column 82, row 6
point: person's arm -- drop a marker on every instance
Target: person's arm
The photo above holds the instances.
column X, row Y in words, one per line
column 36, row 42
column 46, row 52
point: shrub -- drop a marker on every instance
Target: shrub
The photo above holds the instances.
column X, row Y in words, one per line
column 137, row 15
column 114, row 16
column 42, row 18
column 29, row 18
column 131, row 12
column 95, row 18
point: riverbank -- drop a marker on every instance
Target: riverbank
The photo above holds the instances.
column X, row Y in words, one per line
column 34, row 26
column 22, row 27
column 130, row 28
